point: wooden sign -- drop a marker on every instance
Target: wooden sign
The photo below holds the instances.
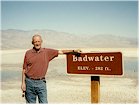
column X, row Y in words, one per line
column 95, row 63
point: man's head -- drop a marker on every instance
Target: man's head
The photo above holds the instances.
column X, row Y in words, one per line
column 37, row 41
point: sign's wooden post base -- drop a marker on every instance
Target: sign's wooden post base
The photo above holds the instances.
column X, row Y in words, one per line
column 95, row 89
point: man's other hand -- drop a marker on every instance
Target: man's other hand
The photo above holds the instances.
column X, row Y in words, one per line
column 23, row 87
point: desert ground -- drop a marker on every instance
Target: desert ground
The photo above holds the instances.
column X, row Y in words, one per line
column 66, row 88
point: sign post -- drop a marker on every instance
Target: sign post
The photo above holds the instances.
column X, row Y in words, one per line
column 95, row 64
column 95, row 89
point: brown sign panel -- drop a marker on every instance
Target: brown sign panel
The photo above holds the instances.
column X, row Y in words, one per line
column 95, row 63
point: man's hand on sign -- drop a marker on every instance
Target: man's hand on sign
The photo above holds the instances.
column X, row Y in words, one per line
column 77, row 50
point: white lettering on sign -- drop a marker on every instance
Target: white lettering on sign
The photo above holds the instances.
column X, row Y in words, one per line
column 83, row 67
column 95, row 68
column 86, row 58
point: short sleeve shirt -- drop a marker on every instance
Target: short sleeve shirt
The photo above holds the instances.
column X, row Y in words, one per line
column 36, row 63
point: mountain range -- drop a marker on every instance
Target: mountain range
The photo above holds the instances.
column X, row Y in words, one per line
column 21, row 39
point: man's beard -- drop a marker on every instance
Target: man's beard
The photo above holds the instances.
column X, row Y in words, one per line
column 37, row 49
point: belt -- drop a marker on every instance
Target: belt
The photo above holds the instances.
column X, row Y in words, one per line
column 35, row 78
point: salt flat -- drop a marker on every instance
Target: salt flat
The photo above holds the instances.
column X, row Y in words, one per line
column 17, row 56
column 72, row 90
column 66, row 88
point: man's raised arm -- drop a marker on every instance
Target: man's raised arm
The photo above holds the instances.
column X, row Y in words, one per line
column 69, row 51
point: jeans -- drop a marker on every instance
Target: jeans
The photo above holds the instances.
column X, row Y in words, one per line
column 35, row 88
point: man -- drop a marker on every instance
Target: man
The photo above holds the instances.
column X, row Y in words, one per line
column 35, row 67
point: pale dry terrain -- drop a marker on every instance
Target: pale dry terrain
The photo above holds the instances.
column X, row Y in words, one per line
column 67, row 88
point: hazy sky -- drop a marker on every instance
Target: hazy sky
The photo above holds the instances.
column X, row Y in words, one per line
column 81, row 17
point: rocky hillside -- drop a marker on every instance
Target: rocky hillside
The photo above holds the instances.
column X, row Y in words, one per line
column 20, row 39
